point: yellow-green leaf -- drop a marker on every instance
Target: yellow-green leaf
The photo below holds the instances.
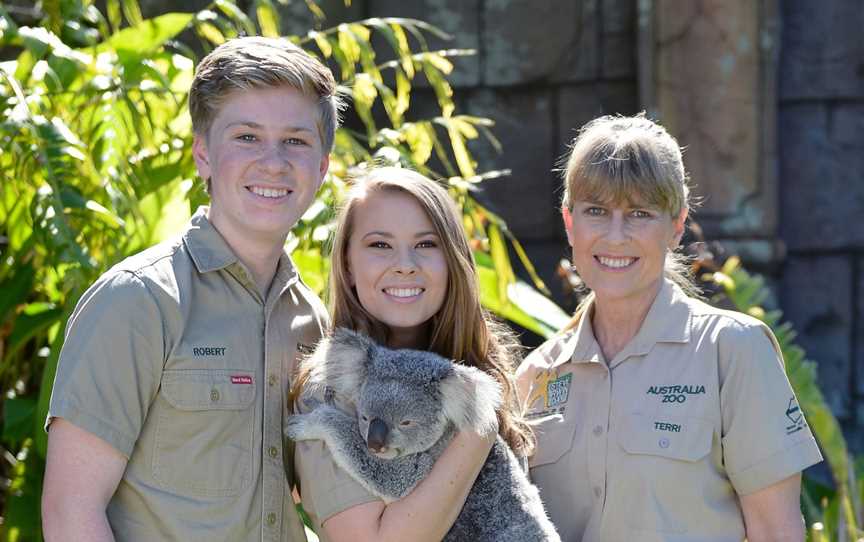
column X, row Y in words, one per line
column 268, row 18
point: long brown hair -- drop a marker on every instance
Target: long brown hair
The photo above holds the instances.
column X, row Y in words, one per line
column 461, row 330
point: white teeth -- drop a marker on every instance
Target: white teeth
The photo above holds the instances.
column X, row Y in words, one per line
column 615, row 262
column 269, row 192
column 403, row 292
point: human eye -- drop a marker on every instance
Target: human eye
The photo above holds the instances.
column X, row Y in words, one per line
column 294, row 141
column 379, row 244
column 427, row 243
column 641, row 213
column 594, row 210
column 246, row 138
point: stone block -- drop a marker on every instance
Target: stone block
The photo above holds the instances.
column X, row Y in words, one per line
column 815, row 298
column 459, row 18
column 577, row 104
column 822, row 54
column 618, row 52
column 710, row 90
column 530, row 40
column 527, row 199
column 821, row 172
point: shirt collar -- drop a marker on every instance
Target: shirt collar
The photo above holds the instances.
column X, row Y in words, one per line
column 208, row 248
column 667, row 321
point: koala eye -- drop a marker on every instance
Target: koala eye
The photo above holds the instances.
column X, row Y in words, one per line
column 406, row 423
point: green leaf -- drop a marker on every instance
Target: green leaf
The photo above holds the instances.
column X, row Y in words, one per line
column 268, row 18
column 501, row 262
column 27, row 326
column 135, row 43
column 491, row 299
column 132, row 12
column 18, row 413
column 14, row 291
column 236, row 14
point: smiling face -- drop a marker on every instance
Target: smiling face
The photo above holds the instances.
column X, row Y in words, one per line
column 396, row 264
column 265, row 161
column 619, row 250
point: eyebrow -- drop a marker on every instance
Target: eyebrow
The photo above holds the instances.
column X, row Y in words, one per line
column 389, row 235
column 257, row 126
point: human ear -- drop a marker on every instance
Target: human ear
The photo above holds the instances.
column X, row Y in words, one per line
column 201, row 155
column 679, row 223
column 323, row 167
column 568, row 224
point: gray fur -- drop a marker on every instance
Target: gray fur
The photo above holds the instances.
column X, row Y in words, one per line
column 436, row 398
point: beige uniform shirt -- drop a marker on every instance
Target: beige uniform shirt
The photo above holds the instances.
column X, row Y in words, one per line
column 174, row 358
column 658, row 444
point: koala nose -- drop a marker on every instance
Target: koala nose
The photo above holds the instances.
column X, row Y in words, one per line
column 377, row 435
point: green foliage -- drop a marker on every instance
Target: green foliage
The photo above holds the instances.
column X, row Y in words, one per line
column 95, row 165
column 831, row 514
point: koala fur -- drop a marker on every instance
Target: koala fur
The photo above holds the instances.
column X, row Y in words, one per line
column 409, row 404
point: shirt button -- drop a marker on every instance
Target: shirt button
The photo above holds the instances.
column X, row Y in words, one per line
column 664, row 443
column 597, row 491
column 271, row 518
column 598, row 430
column 272, row 380
column 273, row 451
column 214, row 395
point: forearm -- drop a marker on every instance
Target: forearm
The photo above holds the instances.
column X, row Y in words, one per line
column 773, row 514
column 72, row 522
column 431, row 508
column 428, row 511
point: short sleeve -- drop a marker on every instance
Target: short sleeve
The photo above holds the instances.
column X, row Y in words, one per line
column 325, row 489
column 765, row 435
column 110, row 364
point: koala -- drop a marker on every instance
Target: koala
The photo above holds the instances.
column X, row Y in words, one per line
column 409, row 405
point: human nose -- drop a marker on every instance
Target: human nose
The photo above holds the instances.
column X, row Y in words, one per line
column 406, row 264
column 617, row 231
column 273, row 158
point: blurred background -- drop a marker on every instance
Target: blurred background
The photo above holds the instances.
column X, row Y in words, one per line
column 766, row 96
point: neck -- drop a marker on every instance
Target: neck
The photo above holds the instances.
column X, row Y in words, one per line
column 259, row 253
column 407, row 337
column 617, row 321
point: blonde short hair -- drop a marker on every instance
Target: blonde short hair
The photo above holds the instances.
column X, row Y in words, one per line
column 617, row 159
column 256, row 62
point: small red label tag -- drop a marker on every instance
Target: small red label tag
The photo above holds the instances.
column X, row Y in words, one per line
column 241, row 379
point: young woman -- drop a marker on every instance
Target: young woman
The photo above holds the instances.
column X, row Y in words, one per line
column 658, row 417
column 402, row 273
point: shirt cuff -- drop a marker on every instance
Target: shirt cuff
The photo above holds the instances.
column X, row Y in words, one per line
column 776, row 467
column 102, row 429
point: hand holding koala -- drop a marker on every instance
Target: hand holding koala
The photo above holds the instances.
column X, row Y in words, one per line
column 409, row 404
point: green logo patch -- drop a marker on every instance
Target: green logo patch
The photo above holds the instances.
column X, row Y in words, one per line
column 558, row 390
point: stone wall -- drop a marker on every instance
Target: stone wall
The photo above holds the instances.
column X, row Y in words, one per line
column 821, row 149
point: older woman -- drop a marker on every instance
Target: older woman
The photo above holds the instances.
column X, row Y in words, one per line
column 658, row 417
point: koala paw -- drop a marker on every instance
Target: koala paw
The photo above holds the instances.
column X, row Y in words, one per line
column 303, row 427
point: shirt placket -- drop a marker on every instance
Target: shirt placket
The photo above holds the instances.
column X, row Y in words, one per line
column 598, row 442
column 274, row 485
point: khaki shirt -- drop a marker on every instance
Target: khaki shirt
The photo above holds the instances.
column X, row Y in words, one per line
column 174, row 358
column 658, row 444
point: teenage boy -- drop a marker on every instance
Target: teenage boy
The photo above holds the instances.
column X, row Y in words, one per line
column 166, row 414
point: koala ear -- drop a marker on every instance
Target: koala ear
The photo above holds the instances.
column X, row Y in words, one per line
column 470, row 399
column 340, row 362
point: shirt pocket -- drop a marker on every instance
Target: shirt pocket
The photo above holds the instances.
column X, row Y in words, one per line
column 555, row 434
column 663, row 468
column 204, row 433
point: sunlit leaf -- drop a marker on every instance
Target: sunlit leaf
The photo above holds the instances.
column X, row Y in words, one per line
column 268, row 18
